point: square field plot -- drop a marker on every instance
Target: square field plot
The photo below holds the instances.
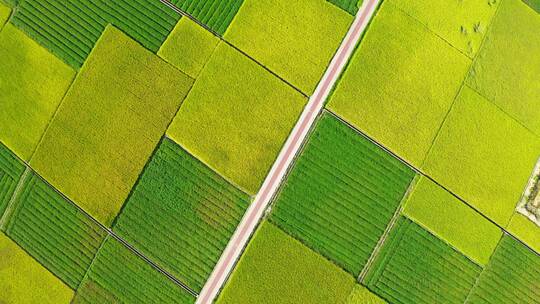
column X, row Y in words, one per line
column 507, row 70
column 400, row 84
column 452, row 220
column 294, row 39
column 237, row 117
column 341, row 194
column 483, row 156
column 511, row 277
column 118, row 275
column 32, row 84
column 109, row 123
column 277, row 269
column 462, row 23
column 416, row 267
column 11, row 170
column 24, row 280
column 181, row 214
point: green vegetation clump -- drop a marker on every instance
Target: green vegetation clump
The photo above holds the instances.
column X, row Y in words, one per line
column 294, row 39
column 11, row 170
column 25, row 281
column 416, row 267
column 341, row 194
column 109, row 123
column 361, row 295
column 70, row 29
column 118, row 275
column 54, row 232
column 400, row 84
column 215, row 14
column 188, row 47
column 32, row 84
column 181, row 214
column 451, row 220
column 275, row 268
column 507, row 69
column 237, row 117
column 463, row 24
column 512, row 276
column 483, row 156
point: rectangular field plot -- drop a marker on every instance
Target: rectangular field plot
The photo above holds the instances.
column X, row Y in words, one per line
column 216, row 14
column 24, row 280
column 70, row 29
column 511, row 277
column 416, row 267
column 11, row 170
column 341, row 194
column 399, row 84
column 118, row 275
column 4, row 14
column 181, row 214
column 54, row 232
column 109, row 123
column 277, row 269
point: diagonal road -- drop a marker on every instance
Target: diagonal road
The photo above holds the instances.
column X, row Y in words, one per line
column 314, row 106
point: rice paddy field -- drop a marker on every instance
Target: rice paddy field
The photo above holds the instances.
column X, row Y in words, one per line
column 235, row 152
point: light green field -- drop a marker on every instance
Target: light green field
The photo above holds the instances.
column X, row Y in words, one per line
column 25, row 281
column 294, row 39
column 451, row 220
column 507, row 69
column 483, row 156
column 188, row 47
column 278, row 269
column 525, row 230
column 463, row 23
column 109, row 124
column 361, row 295
column 236, row 118
column 400, row 84
column 30, row 92
column 4, row 14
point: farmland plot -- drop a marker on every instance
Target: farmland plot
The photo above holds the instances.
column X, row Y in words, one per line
column 400, row 84
column 350, row 6
column 54, row 232
column 120, row 276
column 341, row 194
column 215, row 14
column 512, row 276
column 24, row 280
column 278, row 269
column 11, row 170
column 525, row 230
column 4, row 14
column 70, row 29
column 361, row 295
column 414, row 266
column 181, row 214
column 109, row 123
column 30, row 92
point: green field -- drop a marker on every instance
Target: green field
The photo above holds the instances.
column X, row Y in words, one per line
column 400, row 84
column 109, row 123
column 118, row 275
column 534, row 4
column 215, row 14
column 507, row 68
column 483, row 156
column 512, row 276
column 278, row 269
column 294, row 39
column 350, row 6
column 25, row 281
column 361, row 295
column 525, row 230
column 247, row 114
column 4, row 14
column 30, row 92
column 341, row 194
column 181, row 214
column 463, row 24
column 70, row 29
column 11, row 170
column 54, row 231
column 453, row 221
column 416, row 267
column 188, row 47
